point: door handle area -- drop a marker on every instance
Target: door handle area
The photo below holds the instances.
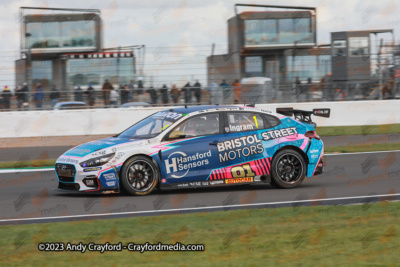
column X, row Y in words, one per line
column 214, row 143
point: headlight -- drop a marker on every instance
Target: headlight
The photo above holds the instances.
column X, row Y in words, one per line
column 97, row 161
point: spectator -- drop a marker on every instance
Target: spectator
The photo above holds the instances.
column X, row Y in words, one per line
column 175, row 93
column 164, row 94
column 54, row 96
column 215, row 93
column 125, row 94
column 91, row 95
column 153, row 95
column 6, row 97
column 225, row 90
column 20, row 97
column 78, row 94
column 107, row 87
column 131, row 90
column 237, row 92
column 114, row 96
column 308, row 89
column 25, row 92
column 187, row 93
column 140, row 90
column 38, row 96
column 197, row 91
column 297, row 89
column 120, row 89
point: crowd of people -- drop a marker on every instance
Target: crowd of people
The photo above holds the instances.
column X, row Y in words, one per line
column 114, row 96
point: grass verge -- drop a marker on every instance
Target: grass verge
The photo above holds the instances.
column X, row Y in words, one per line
column 302, row 236
column 26, row 164
column 362, row 148
column 358, row 130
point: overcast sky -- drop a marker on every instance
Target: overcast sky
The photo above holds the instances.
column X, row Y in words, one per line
column 190, row 27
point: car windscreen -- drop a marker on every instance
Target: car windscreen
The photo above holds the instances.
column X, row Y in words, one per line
column 151, row 126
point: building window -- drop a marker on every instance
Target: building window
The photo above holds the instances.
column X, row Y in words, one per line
column 253, row 65
column 42, row 72
column 261, row 32
column 314, row 67
column 67, row 34
column 339, row 48
column 358, row 46
column 278, row 31
column 96, row 70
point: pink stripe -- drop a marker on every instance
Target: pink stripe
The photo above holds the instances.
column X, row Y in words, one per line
column 322, row 151
column 305, row 142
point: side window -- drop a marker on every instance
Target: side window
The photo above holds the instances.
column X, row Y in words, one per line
column 207, row 124
column 273, row 121
column 244, row 121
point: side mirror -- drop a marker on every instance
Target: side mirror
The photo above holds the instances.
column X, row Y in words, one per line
column 176, row 135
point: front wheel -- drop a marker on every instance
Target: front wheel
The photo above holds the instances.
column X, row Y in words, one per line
column 139, row 176
column 288, row 169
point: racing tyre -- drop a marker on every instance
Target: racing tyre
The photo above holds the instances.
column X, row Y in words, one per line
column 288, row 169
column 139, row 176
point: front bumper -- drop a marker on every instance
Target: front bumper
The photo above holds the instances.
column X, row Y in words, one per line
column 74, row 178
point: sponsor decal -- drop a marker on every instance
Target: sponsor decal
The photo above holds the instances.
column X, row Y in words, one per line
column 239, row 180
column 174, row 116
column 240, row 128
column 124, row 147
column 314, row 151
column 80, row 151
column 193, row 184
column 109, row 176
column 68, row 160
column 274, row 134
column 181, row 162
column 216, row 182
column 110, row 183
column 98, row 153
column 92, row 169
column 163, row 181
column 118, row 156
column 239, row 147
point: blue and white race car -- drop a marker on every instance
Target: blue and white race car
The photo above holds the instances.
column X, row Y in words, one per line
column 200, row 146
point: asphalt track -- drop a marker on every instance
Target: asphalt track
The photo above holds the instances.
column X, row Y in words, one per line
column 53, row 152
column 29, row 197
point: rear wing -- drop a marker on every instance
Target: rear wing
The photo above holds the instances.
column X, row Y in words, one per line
column 304, row 115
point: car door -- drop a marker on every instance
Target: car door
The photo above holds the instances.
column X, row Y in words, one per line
column 193, row 154
column 241, row 152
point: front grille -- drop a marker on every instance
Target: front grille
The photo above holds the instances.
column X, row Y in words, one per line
column 69, row 186
column 65, row 172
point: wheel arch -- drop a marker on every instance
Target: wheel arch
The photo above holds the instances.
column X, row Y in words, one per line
column 146, row 156
column 295, row 148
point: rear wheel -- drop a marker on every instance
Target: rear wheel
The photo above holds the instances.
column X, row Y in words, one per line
column 288, row 169
column 139, row 176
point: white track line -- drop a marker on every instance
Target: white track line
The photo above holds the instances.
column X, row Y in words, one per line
column 25, row 170
column 191, row 209
column 356, row 153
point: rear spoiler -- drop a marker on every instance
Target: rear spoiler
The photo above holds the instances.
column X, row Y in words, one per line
column 304, row 115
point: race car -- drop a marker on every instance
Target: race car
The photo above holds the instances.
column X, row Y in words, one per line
column 198, row 146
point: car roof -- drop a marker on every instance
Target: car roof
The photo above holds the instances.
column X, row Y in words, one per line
column 191, row 109
column 195, row 109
